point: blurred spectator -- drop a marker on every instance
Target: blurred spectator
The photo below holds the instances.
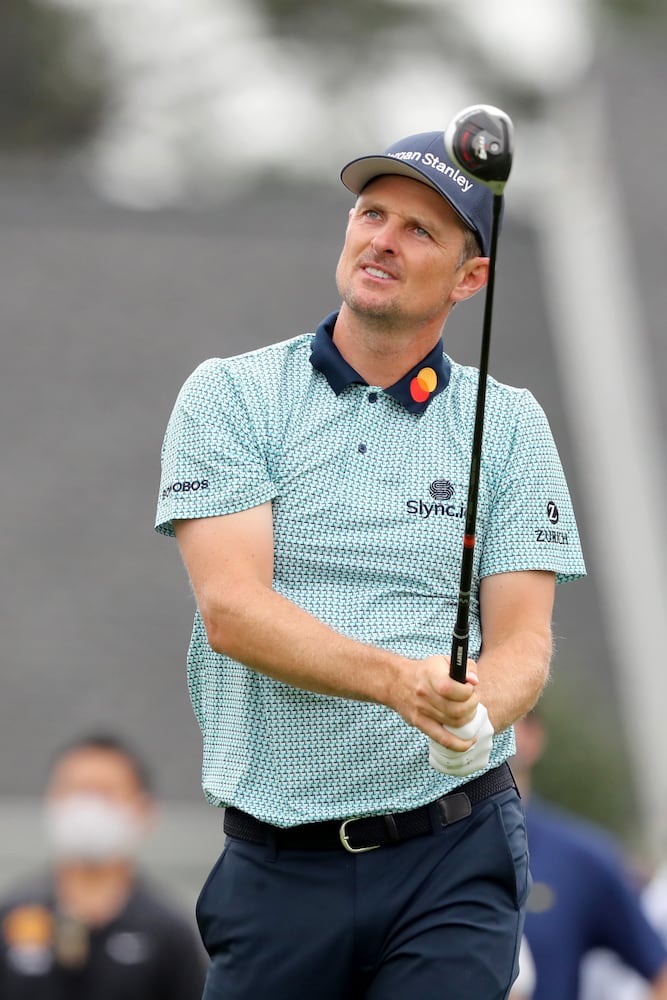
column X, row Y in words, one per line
column 584, row 895
column 90, row 927
column 604, row 976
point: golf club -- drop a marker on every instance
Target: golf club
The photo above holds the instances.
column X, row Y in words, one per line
column 479, row 140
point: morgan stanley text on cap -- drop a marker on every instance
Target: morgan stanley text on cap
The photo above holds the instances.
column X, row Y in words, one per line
column 423, row 158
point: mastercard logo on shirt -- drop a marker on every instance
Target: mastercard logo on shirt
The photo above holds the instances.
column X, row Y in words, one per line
column 423, row 384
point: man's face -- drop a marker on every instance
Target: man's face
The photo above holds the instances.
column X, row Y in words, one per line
column 96, row 809
column 400, row 261
column 100, row 779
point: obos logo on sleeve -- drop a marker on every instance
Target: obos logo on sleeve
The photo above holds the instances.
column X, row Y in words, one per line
column 185, row 486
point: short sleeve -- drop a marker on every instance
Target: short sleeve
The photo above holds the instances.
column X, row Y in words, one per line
column 213, row 455
column 531, row 524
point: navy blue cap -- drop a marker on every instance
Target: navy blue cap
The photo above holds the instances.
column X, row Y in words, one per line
column 423, row 158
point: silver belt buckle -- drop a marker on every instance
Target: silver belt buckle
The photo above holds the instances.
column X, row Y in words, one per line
column 342, row 833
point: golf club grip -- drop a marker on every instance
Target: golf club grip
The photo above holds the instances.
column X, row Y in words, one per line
column 461, row 634
column 459, row 658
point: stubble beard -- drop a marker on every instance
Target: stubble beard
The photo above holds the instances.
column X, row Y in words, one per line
column 387, row 317
column 382, row 315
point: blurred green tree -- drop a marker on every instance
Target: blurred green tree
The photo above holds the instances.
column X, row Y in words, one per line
column 309, row 17
column 651, row 11
column 586, row 767
column 52, row 90
column 54, row 86
column 352, row 20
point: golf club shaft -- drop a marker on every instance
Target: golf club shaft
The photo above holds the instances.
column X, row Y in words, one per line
column 461, row 633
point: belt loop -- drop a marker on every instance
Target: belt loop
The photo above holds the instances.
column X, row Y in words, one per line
column 392, row 829
column 271, row 844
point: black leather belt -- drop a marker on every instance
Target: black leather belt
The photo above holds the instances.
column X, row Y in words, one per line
column 366, row 833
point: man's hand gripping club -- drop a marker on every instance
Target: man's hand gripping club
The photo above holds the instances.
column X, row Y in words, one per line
column 450, row 713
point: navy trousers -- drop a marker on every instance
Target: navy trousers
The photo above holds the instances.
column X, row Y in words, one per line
column 440, row 915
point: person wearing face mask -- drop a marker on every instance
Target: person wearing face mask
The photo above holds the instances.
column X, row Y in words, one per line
column 92, row 928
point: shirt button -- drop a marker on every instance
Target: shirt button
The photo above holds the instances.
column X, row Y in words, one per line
column 362, row 448
column 372, row 397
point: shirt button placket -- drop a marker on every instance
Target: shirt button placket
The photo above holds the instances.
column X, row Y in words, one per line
column 362, row 447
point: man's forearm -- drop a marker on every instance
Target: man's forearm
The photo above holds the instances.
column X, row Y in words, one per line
column 512, row 675
column 270, row 634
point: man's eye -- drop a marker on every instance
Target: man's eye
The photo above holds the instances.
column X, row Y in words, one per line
column 420, row 231
column 372, row 213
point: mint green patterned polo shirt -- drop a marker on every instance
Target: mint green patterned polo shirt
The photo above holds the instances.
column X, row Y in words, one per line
column 368, row 489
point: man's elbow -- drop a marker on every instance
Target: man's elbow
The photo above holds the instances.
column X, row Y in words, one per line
column 222, row 622
column 219, row 636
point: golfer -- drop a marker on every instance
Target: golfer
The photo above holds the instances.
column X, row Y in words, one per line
column 317, row 489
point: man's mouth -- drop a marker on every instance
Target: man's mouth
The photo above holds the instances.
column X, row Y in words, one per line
column 378, row 272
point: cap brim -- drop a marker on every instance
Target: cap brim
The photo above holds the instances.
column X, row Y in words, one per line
column 358, row 173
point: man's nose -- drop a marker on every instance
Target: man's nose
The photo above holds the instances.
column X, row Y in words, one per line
column 385, row 241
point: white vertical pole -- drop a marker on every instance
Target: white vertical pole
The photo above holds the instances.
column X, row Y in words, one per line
column 608, row 386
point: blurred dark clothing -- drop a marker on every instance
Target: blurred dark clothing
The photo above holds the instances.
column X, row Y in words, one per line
column 583, row 897
column 147, row 952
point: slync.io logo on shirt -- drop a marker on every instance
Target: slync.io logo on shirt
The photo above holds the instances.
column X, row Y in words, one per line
column 442, row 491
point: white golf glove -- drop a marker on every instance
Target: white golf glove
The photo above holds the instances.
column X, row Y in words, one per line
column 461, row 763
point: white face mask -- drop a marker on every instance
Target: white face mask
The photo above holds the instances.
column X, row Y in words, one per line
column 91, row 828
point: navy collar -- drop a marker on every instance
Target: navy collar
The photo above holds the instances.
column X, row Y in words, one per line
column 414, row 391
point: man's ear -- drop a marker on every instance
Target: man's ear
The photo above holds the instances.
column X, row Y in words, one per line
column 474, row 275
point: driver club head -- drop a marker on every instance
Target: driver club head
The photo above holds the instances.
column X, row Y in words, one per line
column 480, row 140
